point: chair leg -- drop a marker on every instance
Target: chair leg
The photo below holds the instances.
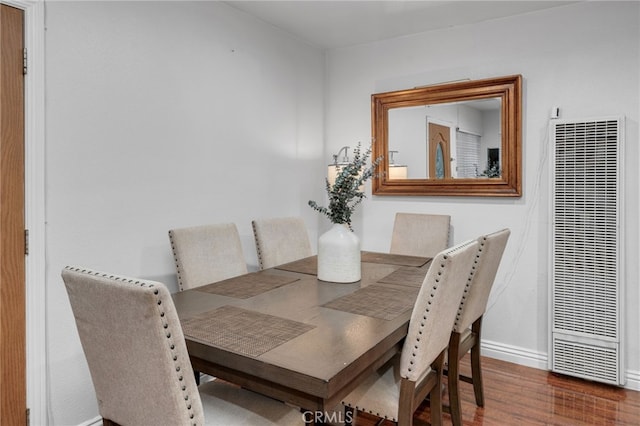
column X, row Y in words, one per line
column 453, row 376
column 349, row 416
column 476, row 370
column 435, row 395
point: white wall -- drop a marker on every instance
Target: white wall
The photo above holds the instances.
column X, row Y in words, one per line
column 408, row 135
column 162, row 115
column 567, row 58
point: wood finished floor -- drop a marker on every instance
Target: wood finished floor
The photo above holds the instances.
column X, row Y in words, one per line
column 517, row 395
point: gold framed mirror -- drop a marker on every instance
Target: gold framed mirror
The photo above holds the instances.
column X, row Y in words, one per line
column 461, row 138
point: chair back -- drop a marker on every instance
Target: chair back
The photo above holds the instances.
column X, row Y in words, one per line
column 280, row 240
column 488, row 257
column 417, row 234
column 435, row 309
column 135, row 349
column 206, row 254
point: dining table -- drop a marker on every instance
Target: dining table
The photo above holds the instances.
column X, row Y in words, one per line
column 286, row 334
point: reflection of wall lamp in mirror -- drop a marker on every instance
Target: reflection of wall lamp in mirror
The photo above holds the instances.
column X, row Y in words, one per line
column 396, row 171
column 334, row 168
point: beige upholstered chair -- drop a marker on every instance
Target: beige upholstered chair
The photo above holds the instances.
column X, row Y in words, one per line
column 206, row 254
column 396, row 390
column 417, row 234
column 280, row 240
column 467, row 327
column 138, row 359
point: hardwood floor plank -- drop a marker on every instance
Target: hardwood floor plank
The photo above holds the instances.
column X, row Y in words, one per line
column 518, row 395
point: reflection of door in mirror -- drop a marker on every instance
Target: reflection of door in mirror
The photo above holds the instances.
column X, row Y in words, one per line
column 439, row 151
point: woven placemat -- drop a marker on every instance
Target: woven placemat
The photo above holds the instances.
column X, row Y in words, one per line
column 394, row 259
column 376, row 301
column 405, row 276
column 243, row 331
column 308, row 265
column 248, row 285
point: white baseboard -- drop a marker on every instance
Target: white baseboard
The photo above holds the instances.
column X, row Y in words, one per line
column 633, row 380
column 514, row 354
column 538, row 360
column 96, row 421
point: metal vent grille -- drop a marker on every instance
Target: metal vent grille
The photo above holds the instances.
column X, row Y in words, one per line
column 586, row 361
column 586, row 289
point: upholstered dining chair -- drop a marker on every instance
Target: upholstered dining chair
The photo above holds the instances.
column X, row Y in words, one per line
column 280, row 240
column 138, row 360
column 418, row 234
column 206, row 254
column 466, row 334
column 396, row 390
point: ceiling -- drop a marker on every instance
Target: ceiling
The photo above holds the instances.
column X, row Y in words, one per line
column 336, row 24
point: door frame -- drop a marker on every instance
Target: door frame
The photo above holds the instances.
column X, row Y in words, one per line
column 35, row 274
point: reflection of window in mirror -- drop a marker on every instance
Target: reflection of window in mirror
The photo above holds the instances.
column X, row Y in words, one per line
column 439, row 161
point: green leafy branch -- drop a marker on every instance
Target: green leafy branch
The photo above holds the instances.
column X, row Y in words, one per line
column 346, row 193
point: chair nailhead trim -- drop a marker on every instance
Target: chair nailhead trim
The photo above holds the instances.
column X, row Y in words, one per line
column 472, row 273
column 156, row 292
column 355, row 407
column 175, row 259
column 440, row 272
column 258, row 251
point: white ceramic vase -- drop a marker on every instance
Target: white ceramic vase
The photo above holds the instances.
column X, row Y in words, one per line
column 339, row 255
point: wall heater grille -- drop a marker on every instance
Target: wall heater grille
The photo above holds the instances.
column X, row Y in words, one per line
column 586, row 284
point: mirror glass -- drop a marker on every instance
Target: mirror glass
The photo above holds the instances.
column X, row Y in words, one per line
column 458, row 138
column 447, row 141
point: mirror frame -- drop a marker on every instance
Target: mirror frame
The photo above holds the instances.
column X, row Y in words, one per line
column 509, row 184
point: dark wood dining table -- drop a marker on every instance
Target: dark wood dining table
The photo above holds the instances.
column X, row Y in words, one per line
column 284, row 333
